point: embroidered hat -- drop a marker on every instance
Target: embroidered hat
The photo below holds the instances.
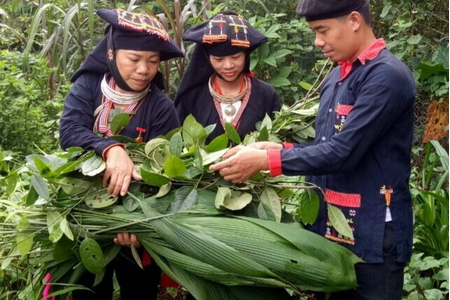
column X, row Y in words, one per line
column 138, row 31
column 226, row 33
column 128, row 31
column 314, row 10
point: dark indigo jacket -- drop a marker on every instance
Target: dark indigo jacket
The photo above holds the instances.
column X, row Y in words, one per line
column 157, row 115
column 363, row 149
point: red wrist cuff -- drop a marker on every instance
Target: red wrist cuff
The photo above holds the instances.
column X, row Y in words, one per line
column 274, row 160
column 288, row 145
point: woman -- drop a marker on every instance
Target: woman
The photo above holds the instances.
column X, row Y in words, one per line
column 121, row 72
column 218, row 86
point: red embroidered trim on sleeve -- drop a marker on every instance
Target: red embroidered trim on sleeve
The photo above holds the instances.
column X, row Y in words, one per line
column 274, row 160
column 288, row 145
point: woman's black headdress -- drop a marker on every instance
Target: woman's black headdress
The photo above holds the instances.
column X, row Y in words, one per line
column 128, row 31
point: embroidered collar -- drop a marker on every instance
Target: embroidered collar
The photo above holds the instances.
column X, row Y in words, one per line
column 370, row 53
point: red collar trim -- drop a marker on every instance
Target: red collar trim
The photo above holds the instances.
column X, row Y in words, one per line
column 369, row 54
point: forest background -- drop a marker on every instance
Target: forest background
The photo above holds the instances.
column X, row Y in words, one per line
column 43, row 42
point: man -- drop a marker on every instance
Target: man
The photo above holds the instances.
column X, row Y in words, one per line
column 360, row 157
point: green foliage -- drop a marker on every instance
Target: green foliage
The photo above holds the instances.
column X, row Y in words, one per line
column 417, row 32
column 288, row 59
column 429, row 187
column 426, row 278
column 434, row 74
column 59, row 211
column 28, row 111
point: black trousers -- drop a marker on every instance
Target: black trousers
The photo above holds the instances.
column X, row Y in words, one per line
column 135, row 283
column 382, row 281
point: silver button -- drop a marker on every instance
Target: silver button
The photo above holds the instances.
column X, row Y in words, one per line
column 324, row 138
column 330, row 109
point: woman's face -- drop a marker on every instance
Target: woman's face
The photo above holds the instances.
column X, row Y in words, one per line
column 137, row 68
column 229, row 67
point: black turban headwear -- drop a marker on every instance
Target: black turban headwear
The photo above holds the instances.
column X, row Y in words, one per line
column 314, row 10
column 128, row 31
column 226, row 33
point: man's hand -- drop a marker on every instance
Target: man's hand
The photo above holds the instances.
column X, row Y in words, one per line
column 266, row 145
column 119, row 171
column 127, row 239
column 241, row 163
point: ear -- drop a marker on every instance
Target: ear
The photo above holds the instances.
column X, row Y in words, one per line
column 356, row 20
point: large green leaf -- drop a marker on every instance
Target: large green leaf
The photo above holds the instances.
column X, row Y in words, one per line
column 41, row 165
column 63, row 249
column 309, row 206
column 54, row 228
column 65, row 228
column 93, row 166
column 198, row 158
column 74, row 186
column 132, row 203
column 31, row 196
column 100, row 199
column 184, row 197
column 224, row 198
column 24, row 242
column 232, row 133
column 11, row 183
column 118, row 122
column 263, row 135
column 66, row 168
column 265, row 212
column 279, row 81
column 193, row 132
column 92, row 256
column 154, row 179
column 338, row 221
column 154, row 144
column 427, row 70
column 176, row 144
column 174, row 167
column 164, row 190
column 218, row 143
column 281, row 53
column 40, row 186
column 272, row 200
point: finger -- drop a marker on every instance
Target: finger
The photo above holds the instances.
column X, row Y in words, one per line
column 106, row 177
column 126, row 239
column 136, row 175
column 125, row 185
column 112, row 183
column 116, row 186
column 220, row 166
column 134, row 241
column 232, row 151
column 118, row 239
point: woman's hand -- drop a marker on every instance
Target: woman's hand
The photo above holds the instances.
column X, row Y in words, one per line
column 127, row 239
column 119, row 171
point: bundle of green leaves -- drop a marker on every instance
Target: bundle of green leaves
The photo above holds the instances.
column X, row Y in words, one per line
column 214, row 238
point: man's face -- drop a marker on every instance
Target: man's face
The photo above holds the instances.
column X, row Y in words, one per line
column 335, row 37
